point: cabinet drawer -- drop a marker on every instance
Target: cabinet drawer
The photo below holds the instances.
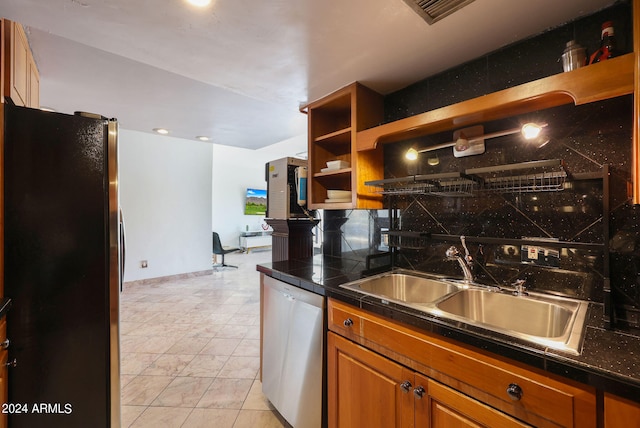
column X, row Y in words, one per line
column 343, row 320
column 528, row 394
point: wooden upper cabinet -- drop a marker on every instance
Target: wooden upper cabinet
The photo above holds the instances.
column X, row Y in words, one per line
column 19, row 66
column 333, row 125
column 21, row 78
column 347, row 125
column 34, row 86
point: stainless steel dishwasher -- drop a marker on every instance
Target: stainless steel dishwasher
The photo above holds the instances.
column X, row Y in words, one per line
column 292, row 350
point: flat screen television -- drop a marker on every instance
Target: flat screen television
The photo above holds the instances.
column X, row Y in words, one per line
column 255, row 202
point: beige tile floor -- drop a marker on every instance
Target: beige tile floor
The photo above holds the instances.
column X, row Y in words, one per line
column 190, row 350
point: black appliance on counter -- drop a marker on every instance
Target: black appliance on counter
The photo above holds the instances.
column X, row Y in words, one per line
column 62, row 268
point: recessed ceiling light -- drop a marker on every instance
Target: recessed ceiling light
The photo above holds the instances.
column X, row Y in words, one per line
column 161, row 131
column 199, row 3
column 43, row 108
column 202, row 138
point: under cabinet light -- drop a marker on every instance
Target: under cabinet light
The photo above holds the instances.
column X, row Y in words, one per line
column 412, row 154
column 531, row 130
column 463, row 141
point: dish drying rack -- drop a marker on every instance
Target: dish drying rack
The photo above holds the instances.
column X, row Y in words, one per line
column 534, row 176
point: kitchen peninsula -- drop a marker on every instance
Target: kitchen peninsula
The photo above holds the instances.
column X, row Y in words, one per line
column 575, row 237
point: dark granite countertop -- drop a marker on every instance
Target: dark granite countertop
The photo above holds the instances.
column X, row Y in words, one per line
column 609, row 361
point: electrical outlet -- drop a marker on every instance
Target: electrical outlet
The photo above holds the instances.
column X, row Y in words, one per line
column 144, row 264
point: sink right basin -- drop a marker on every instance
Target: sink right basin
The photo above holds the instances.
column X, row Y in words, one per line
column 556, row 322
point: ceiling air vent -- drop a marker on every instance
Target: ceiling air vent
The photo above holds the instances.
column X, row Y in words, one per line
column 434, row 10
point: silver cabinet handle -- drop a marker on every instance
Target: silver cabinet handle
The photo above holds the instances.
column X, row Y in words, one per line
column 419, row 392
column 5, row 344
column 514, row 391
column 405, row 386
column 348, row 322
column 12, row 363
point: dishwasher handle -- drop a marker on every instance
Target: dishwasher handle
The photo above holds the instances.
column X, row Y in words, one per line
column 294, row 293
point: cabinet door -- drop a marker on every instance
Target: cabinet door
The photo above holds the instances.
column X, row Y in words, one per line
column 4, row 372
column 4, row 386
column 366, row 389
column 620, row 413
column 19, row 63
column 34, row 85
column 443, row 407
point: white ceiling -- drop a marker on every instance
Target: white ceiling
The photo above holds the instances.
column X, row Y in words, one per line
column 239, row 70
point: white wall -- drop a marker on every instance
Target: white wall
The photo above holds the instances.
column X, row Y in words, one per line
column 165, row 194
column 235, row 170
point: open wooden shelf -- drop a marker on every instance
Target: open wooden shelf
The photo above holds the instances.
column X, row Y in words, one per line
column 333, row 123
column 342, row 136
column 333, row 173
column 607, row 79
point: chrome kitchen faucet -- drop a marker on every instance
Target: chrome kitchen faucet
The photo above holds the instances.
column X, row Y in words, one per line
column 466, row 262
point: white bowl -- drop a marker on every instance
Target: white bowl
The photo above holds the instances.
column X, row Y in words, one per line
column 337, row 164
column 339, row 194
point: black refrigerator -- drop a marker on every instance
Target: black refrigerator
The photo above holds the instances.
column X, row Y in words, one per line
column 62, row 268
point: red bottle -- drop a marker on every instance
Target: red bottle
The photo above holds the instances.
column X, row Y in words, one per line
column 608, row 47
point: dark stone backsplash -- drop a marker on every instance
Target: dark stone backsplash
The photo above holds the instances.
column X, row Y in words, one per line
column 601, row 222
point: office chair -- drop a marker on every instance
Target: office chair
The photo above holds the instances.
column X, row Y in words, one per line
column 218, row 249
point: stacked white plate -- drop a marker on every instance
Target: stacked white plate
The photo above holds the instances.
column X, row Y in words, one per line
column 335, row 165
column 335, row 196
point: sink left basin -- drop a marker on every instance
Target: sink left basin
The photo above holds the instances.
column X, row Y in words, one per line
column 404, row 288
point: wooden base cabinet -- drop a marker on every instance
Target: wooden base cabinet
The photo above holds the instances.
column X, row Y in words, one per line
column 369, row 390
column 384, row 373
column 620, row 412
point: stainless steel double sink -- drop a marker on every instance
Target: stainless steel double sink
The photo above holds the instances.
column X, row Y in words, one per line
column 551, row 321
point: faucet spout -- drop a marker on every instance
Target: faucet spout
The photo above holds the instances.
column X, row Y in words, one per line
column 465, row 262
